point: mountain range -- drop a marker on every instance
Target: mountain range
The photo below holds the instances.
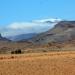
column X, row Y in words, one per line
column 62, row 31
column 43, row 26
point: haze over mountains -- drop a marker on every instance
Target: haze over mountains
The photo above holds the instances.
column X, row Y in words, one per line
column 59, row 31
column 28, row 30
column 22, row 37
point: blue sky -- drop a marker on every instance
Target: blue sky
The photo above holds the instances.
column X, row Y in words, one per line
column 12, row 11
column 27, row 10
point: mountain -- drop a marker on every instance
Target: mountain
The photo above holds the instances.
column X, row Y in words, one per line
column 63, row 31
column 46, row 24
column 22, row 37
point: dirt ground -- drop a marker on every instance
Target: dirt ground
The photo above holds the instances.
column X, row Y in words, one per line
column 51, row 63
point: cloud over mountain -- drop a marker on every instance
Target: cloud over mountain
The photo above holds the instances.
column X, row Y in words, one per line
column 52, row 20
column 34, row 26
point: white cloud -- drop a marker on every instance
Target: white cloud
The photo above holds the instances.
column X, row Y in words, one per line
column 29, row 27
column 19, row 25
column 34, row 23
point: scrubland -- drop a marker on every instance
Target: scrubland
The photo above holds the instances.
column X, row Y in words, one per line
column 51, row 63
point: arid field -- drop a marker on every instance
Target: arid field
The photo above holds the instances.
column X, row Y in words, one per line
column 53, row 63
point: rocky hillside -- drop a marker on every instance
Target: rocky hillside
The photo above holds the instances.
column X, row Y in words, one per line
column 64, row 31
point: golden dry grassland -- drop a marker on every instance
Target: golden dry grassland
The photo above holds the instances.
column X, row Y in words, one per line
column 53, row 63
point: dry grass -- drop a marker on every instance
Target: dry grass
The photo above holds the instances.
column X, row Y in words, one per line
column 53, row 63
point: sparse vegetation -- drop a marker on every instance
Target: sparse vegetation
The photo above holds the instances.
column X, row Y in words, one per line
column 54, row 63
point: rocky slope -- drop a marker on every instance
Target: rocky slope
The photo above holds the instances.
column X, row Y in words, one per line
column 64, row 31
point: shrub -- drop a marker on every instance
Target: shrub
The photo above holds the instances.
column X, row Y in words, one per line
column 17, row 51
column 44, row 50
